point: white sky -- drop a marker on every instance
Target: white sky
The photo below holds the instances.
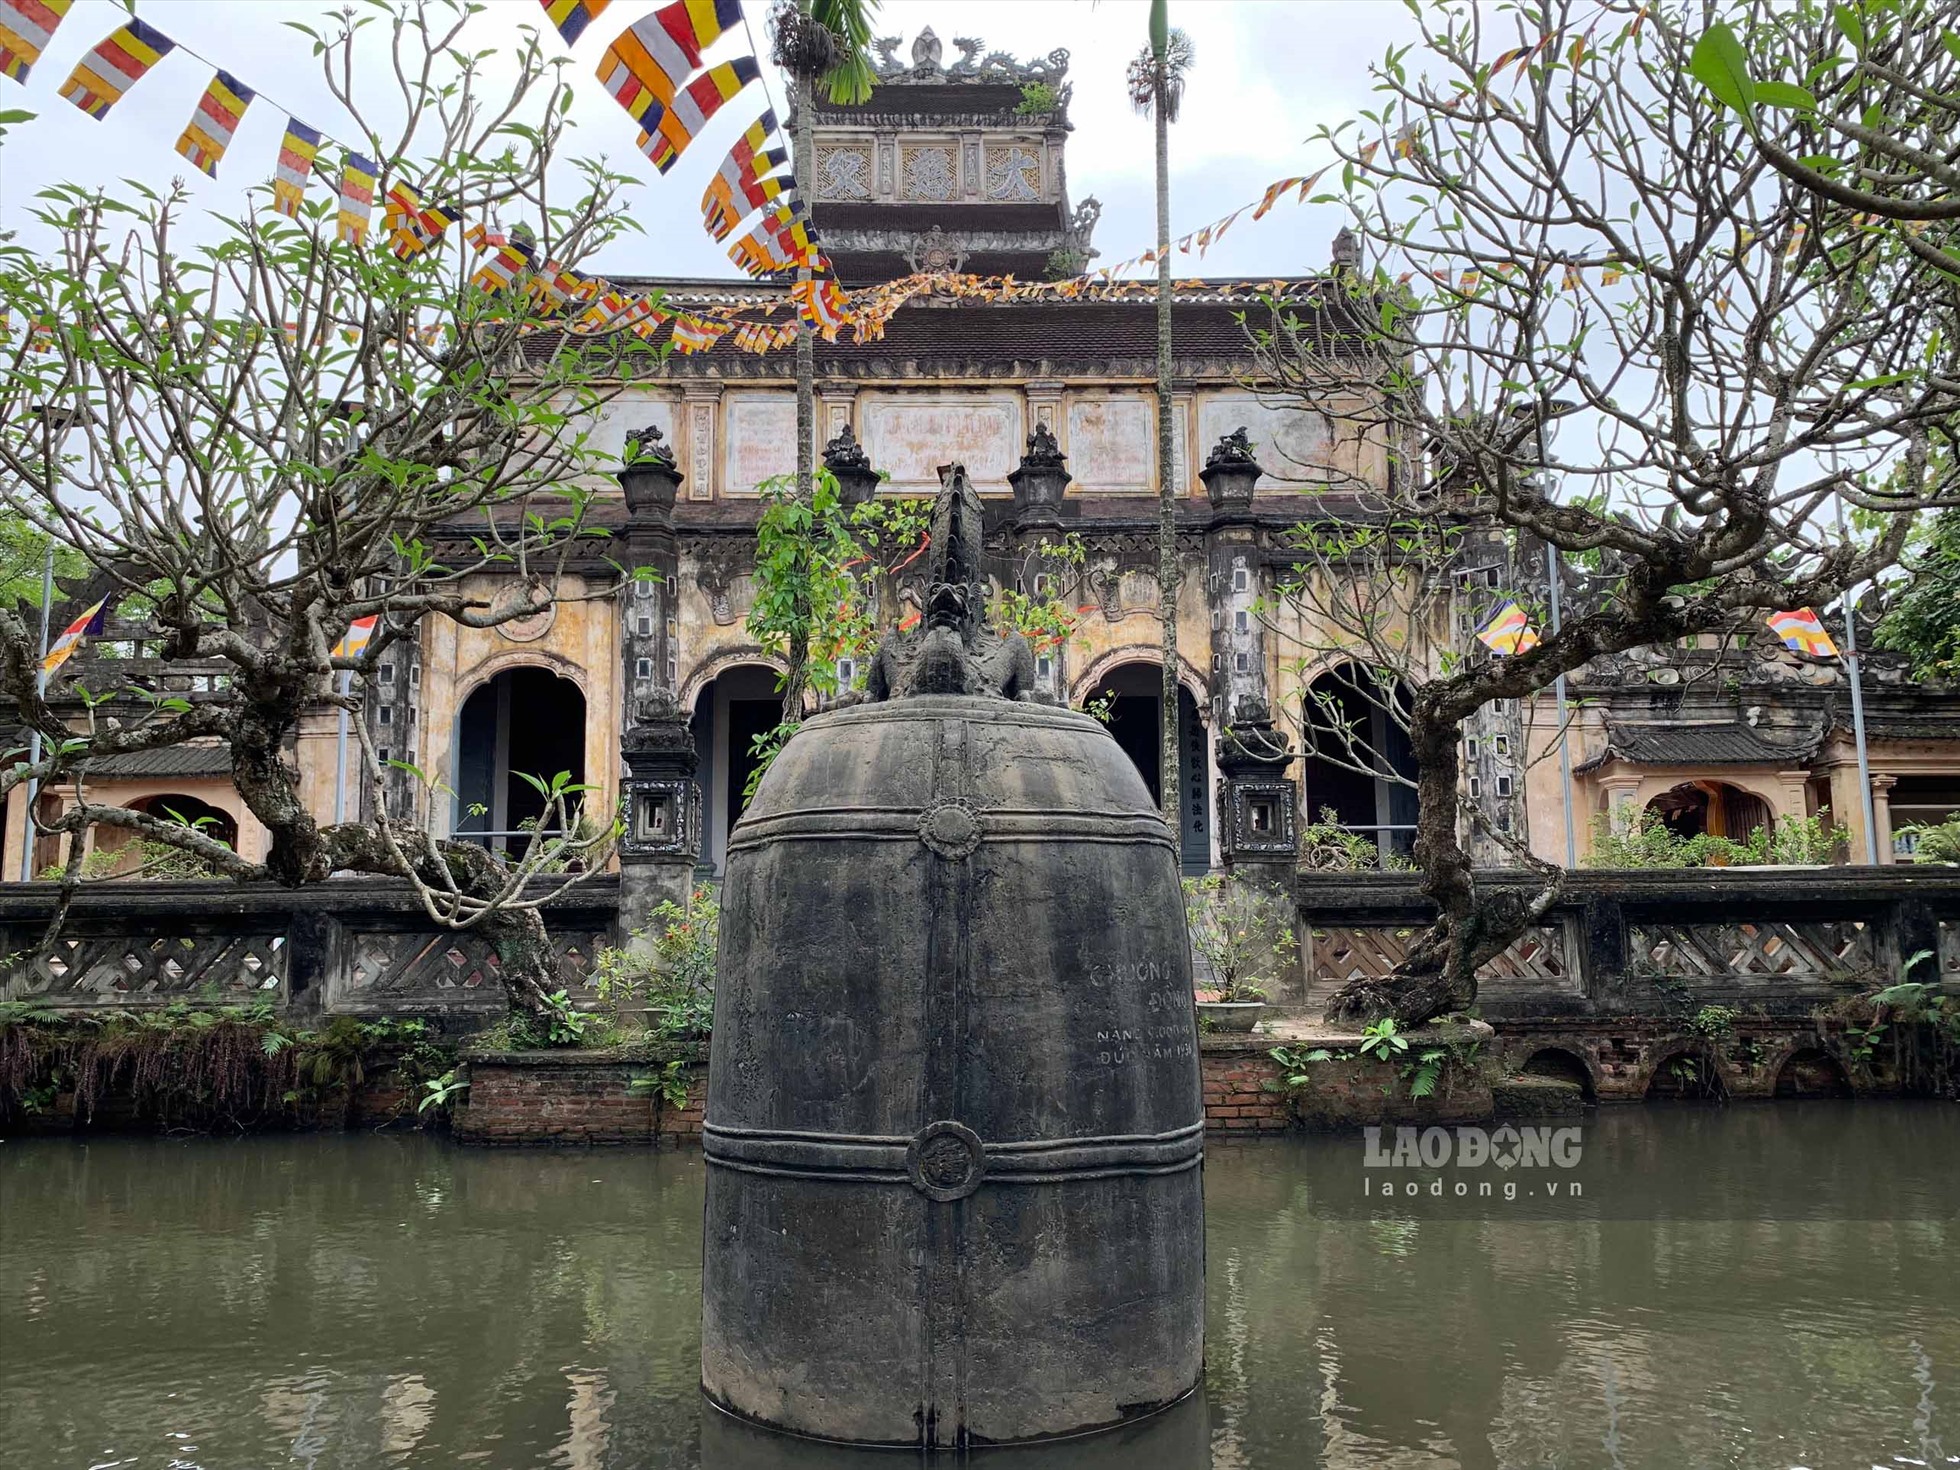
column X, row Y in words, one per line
column 1267, row 72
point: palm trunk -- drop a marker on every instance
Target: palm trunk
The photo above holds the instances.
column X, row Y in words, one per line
column 1167, row 567
column 798, row 651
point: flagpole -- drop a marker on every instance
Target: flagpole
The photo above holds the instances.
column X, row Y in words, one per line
column 1558, row 686
column 1858, row 715
column 340, row 753
column 34, row 735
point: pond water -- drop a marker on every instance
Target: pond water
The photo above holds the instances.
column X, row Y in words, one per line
column 1726, row 1294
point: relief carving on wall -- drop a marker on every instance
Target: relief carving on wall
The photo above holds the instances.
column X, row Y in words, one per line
column 726, row 580
column 928, row 173
column 1013, row 175
column 844, row 172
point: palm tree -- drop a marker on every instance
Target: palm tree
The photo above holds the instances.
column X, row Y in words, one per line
column 1157, row 88
column 818, row 43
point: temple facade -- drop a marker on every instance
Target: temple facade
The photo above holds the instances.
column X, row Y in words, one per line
column 960, row 166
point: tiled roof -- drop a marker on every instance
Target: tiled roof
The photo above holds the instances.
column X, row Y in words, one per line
column 1732, row 744
column 171, row 760
column 1083, row 334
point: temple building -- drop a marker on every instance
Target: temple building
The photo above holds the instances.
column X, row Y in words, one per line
column 1050, row 404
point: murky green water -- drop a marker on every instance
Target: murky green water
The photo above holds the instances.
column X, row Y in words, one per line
column 393, row 1301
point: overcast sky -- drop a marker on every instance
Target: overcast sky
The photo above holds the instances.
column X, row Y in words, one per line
column 1267, row 72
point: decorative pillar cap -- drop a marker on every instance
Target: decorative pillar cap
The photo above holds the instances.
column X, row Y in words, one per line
column 1231, row 472
column 1041, row 478
column 845, row 458
column 648, row 475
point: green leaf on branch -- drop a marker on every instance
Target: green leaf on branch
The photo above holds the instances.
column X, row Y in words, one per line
column 1719, row 64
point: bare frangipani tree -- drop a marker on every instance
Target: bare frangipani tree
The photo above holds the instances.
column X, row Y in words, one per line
column 1873, row 90
column 257, row 441
column 1591, row 313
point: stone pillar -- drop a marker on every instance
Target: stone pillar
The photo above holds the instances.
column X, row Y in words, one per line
column 834, row 404
column 1882, row 818
column 657, row 852
column 1620, row 789
column 1258, row 837
column 1257, row 800
column 1040, row 484
column 694, row 435
column 1238, row 644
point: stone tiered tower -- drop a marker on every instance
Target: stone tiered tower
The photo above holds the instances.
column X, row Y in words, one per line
column 954, row 167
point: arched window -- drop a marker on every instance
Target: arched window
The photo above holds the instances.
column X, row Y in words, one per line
column 1135, row 695
column 1359, row 763
column 525, row 721
column 732, row 709
column 1712, row 807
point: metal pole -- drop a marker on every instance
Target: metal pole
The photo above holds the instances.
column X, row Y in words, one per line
column 1858, row 715
column 34, row 735
column 340, row 753
column 1564, row 747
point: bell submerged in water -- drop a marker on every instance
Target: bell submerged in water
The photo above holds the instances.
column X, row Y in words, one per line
column 954, row 1128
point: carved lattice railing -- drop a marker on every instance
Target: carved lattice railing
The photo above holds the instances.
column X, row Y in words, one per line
column 120, row 969
column 1775, row 952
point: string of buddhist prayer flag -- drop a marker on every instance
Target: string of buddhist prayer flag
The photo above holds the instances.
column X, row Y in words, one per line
column 691, row 107
column 571, row 17
column 412, row 226
column 114, row 66
column 26, row 27
column 216, row 119
column 297, row 150
column 693, row 334
column 648, row 61
column 357, row 175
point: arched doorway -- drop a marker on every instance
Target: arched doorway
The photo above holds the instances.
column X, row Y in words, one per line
column 1812, row 1072
column 524, row 721
column 733, row 708
column 169, row 806
column 1712, row 807
column 1560, row 1065
column 1349, row 725
column 1134, row 692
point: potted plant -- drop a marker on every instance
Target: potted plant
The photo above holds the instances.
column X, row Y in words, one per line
column 1243, row 933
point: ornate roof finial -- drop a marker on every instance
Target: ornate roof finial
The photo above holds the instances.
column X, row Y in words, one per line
column 845, row 453
column 926, row 52
column 646, row 446
column 1347, row 250
column 1232, row 448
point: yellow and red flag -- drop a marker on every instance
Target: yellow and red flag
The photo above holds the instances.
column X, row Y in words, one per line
column 1507, row 630
column 87, row 625
column 26, row 27
column 356, row 198
column 359, row 634
column 297, row 150
column 571, row 17
column 822, row 305
column 210, row 129
column 413, row 226
column 1801, row 632
column 688, row 111
column 697, row 334
column 112, row 68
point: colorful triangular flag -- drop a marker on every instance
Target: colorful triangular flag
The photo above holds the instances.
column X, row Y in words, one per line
column 26, row 27
column 1802, row 632
column 87, row 625
column 211, row 127
column 113, row 67
column 1507, row 630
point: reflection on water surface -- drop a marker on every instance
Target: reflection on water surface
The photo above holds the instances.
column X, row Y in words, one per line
column 390, row 1301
